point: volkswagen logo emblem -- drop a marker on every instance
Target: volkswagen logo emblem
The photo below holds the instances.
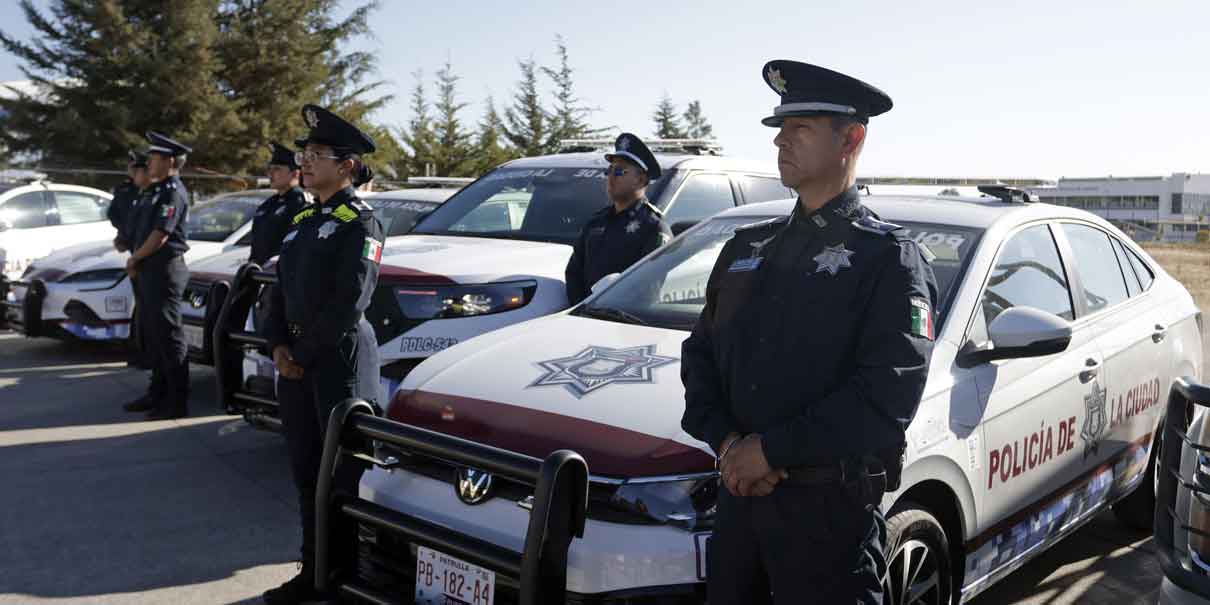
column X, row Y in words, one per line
column 473, row 485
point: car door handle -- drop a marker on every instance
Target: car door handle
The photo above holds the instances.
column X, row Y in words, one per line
column 1090, row 374
column 1159, row 333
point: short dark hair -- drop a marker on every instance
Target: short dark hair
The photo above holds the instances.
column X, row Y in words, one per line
column 178, row 162
column 841, row 122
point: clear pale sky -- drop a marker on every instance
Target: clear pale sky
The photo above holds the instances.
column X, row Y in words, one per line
column 1056, row 88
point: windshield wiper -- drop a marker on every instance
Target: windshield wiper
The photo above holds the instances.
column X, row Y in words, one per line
column 613, row 314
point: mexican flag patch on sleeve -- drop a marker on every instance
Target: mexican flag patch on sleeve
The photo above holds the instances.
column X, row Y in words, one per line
column 372, row 250
column 168, row 211
column 922, row 318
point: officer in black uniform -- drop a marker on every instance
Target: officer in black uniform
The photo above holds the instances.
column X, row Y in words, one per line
column 626, row 230
column 157, row 264
column 808, row 363
column 121, row 208
column 272, row 219
column 323, row 347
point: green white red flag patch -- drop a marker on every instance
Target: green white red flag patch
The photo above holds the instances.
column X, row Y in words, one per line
column 372, row 250
column 922, row 319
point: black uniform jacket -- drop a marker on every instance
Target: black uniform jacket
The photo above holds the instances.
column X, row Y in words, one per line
column 273, row 219
column 121, row 208
column 327, row 272
column 163, row 206
column 610, row 243
column 816, row 333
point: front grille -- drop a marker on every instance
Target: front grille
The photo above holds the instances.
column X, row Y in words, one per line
column 80, row 313
column 195, row 294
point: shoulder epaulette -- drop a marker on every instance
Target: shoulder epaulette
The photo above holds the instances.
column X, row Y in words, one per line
column 765, row 223
column 298, row 218
column 345, row 213
column 870, row 224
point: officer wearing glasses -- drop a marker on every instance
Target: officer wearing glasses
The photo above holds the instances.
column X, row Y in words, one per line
column 626, row 230
column 322, row 346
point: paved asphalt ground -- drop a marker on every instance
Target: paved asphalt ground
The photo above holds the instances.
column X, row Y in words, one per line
column 98, row 507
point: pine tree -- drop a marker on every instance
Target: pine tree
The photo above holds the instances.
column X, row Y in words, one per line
column 527, row 123
column 418, row 137
column 569, row 120
column 667, row 124
column 452, row 147
column 490, row 148
column 696, row 125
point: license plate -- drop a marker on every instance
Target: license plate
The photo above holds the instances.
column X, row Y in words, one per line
column 194, row 337
column 442, row 579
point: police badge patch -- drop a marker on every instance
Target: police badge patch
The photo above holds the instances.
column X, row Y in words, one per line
column 327, row 229
column 833, row 259
column 595, row 368
column 1095, row 420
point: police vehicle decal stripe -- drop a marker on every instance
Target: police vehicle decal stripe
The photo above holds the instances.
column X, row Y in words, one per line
column 397, row 274
column 609, row 450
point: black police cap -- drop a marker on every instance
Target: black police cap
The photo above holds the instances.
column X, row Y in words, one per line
column 282, row 156
column 165, row 146
column 810, row 90
column 632, row 148
column 330, row 129
column 138, row 159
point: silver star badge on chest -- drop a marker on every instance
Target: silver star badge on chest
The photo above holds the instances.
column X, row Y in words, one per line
column 327, row 229
column 833, row 259
column 632, row 226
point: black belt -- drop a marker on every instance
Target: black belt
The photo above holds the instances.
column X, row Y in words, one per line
column 829, row 474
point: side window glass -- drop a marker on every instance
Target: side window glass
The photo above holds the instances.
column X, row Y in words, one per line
column 26, row 211
column 1133, row 287
column 763, row 189
column 1098, row 265
column 76, row 208
column 1028, row 273
column 700, row 197
column 1141, row 270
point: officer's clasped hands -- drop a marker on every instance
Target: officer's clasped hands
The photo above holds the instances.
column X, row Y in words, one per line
column 744, row 469
column 286, row 366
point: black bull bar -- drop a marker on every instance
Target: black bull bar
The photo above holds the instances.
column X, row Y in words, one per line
column 1177, row 560
column 229, row 341
column 25, row 315
column 560, row 505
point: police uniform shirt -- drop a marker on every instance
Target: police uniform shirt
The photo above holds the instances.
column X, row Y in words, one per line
column 326, row 272
column 611, row 242
column 272, row 221
column 816, row 333
column 121, row 207
column 164, row 206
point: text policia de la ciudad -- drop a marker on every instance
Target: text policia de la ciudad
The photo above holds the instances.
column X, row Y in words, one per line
column 1052, row 440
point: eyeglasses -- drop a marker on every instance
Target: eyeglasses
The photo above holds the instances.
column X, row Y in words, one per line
column 302, row 157
column 616, row 171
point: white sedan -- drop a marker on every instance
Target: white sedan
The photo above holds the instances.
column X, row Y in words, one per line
column 1058, row 344
column 81, row 291
column 39, row 218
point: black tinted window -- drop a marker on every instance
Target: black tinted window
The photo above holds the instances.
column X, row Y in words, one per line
column 701, row 196
column 763, row 189
column 1098, row 265
column 1132, row 280
column 1141, row 270
column 26, row 211
column 1028, row 273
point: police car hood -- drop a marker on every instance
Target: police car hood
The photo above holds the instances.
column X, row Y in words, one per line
column 92, row 256
column 219, row 266
column 471, row 260
column 610, row 391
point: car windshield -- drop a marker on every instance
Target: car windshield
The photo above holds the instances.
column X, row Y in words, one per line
column 216, row 220
column 669, row 289
column 539, row 204
column 399, row 215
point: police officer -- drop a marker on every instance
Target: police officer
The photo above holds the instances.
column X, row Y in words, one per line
column 324, row 349
column 157, row 264
column 273, row 216
column 628, row 229
column 808, row 363
column 121, row 208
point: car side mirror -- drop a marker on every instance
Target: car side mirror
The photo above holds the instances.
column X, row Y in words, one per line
column 1020, row 332
column 680, row 227
column 605, row 282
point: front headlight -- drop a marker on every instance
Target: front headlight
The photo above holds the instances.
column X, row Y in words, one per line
column 685, row 501
column 104, row 278
column 425, row 302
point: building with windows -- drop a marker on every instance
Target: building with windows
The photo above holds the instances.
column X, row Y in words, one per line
column 1171, row 208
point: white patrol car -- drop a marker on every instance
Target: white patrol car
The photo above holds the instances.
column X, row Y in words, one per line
column 398, row 210
column 39, row 218
column 1058, row 342
column 81, row 291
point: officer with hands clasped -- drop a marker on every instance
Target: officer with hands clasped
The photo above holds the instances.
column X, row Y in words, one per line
column 273, row 217
column 808, row 363
column 324, row 349
column 628, row 229
column 157, row 267
column 121, row 208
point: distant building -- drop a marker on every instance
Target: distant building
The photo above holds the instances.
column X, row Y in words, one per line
column 1171, row 208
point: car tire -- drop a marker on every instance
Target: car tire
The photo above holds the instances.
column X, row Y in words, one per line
column 919, row 558
column 1137, row 510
